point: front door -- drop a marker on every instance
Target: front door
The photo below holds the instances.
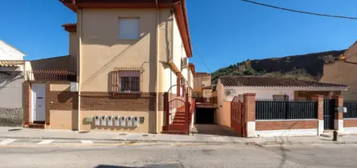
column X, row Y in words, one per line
column 38, row 102
column 329, row 113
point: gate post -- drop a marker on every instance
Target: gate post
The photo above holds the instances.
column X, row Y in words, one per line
column 249, row 114
column 339, row 114
column 187, row 112
column 166, row 111
column 320, row 113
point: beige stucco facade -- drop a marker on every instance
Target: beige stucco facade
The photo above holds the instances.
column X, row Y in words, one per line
column 344, row 72
column 158, row 48
column 96, row 52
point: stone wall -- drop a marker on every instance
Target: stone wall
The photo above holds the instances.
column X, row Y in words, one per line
column 11, row 116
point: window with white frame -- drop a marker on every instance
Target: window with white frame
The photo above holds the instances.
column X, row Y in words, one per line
column 129, row 28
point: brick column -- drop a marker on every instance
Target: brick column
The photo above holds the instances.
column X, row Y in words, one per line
column 320, row 113
column 249, row 114
column 339, row 114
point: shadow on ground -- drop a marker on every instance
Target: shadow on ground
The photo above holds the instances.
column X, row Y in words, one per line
column 212, row 129
column 147, row 166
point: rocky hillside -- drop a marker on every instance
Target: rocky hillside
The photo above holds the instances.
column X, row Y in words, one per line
column 303, row 67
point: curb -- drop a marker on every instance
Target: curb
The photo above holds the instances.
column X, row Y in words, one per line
column 136, row 140
column 272, row 143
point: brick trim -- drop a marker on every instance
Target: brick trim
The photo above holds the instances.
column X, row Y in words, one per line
column 26, row 102
column 122, row 102
column 350, row 123
column 286, row 125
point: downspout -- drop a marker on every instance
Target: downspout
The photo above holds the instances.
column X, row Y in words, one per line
column 157, row 64
column 79, row 68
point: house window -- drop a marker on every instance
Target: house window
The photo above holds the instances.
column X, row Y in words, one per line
column 129, row 28
column 125, row 81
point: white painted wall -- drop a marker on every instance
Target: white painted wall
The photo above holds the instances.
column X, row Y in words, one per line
column 261, row 92
column 281, row 133
column 179, row 51
column 8, row 52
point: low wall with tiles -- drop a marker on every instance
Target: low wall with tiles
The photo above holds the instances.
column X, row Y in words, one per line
column 350, row 126
column 287, row 128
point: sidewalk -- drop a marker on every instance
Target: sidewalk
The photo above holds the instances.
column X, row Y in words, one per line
column 25, row 133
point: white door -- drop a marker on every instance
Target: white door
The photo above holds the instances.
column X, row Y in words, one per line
column 38, row 102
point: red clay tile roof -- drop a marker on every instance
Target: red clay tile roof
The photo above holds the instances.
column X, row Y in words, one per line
column 200, row 74
column 272, row 82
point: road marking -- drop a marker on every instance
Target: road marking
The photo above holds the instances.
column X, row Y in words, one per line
column 46, row 142
column 86, row 142
column 7, row 141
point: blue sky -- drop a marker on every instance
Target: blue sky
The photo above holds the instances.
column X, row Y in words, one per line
column 223, row 32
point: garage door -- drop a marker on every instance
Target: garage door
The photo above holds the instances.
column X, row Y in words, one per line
column 205, row 116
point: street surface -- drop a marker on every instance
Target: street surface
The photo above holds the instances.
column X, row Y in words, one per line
column 110, row 154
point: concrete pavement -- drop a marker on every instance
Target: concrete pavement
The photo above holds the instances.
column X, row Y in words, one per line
column 178, row 155
column 25, row 133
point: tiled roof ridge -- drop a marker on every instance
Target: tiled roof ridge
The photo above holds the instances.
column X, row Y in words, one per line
column 260, row 81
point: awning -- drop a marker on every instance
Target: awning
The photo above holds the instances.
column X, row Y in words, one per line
column 11, row 63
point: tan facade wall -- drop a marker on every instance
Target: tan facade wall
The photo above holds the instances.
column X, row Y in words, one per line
column 63, row 119
column 102, row 51
column 223, row 115
column 62, row 107
column 342, row 73
column 59, row 87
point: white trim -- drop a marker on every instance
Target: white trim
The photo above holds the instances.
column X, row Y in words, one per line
column 350, row 130
column 292, row 132
column 320, row 127
column 251, row 129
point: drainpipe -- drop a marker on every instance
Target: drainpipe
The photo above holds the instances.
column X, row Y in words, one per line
column 79, row 67
column 157, row 64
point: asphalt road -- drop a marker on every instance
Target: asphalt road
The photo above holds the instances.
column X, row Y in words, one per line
column 53, row 154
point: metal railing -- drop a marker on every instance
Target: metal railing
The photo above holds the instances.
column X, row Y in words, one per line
column 275, row 110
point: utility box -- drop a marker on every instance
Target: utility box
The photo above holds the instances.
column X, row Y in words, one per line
column 116, row 121
column 73, row 87
column 135, row 121
column 110, row 121
column 103, row 120
column 129, row 121
column 97, row 121
column 122, row 121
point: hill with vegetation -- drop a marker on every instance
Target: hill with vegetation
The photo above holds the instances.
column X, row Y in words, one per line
column 301, row 67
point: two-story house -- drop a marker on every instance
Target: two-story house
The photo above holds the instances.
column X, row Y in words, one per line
column 126, row 55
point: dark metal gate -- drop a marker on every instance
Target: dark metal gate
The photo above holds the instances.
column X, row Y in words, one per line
column 329, row 113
